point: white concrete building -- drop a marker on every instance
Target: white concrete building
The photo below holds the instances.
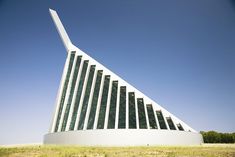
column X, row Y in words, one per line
column 94, row 106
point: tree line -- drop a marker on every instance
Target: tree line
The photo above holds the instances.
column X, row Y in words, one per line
column 217, row 137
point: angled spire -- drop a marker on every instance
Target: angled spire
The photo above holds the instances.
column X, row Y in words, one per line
column 61, row 30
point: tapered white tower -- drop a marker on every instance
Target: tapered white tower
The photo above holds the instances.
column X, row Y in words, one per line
column 94, row 106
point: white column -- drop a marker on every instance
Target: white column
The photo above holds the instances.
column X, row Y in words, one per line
column 127, row 109
column 146, row 114
column 136, row 112
column 117, row 106
column 67, row 93
column 59, row 93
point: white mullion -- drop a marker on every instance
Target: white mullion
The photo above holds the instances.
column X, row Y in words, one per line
column 74, row 95
column 136, row 113
column 82, row 95
column 117, row 107
column 108, row 104
column 146, row 115
column 90, row 100
column 127, row 109
column 67, row 92
column 58, row 97
column 98, row 103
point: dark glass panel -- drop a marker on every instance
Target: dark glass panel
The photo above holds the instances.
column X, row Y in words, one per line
column 122, row 108
column 103, row 102
column 132, row 112
column 65, row 85
column 161, row 120
column 78, row 95
column 75, row 74
column 180, row 127
column 170, row 123
column 152, row 120
column 94, row 100
column 113, row 104
column 86, row 98
column 141, row 113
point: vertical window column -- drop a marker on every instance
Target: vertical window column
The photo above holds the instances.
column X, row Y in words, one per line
column 122, row 108
column 103, row 103
column 152, row 120
column 141, row 113
column 94, row 100
column 132, row 111
column 113, row 103
column 75, row 74
column 170, row 123
column 86, row 98
column 78, row 95
column 180, row 127
column 161, row 120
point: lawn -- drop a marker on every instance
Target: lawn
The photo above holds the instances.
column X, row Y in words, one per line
column 206, row 150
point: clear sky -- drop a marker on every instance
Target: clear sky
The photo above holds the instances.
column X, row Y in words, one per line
column 181, row 53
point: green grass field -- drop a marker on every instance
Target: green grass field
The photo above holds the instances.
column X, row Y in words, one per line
column 207, row 150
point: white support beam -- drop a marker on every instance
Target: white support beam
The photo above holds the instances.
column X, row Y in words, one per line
column 58, row 97
column 61, row 30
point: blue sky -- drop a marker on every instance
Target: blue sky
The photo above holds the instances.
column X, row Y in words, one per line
column 179, row 53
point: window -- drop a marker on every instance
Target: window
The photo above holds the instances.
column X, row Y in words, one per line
column 66, row 114
column 132, row 112
column 152, row 120
column 113, row 102
column 122, row 108
column 86, row 98
column 170, row 123
column 78, row 95
column 94, row 100
column 103, row 102
column 71, row 59
column 161, row 120
column 141, row 113
column 180, row 127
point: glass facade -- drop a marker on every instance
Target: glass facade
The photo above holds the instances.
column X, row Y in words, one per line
column 170, row 123
column 103, row 102
column 72, row 54
column 141, row 113
column 75, row 74
column 78, row 95
column 161, row 120
column 122, row 108
column 180, row 127
column 132, row 112
column 152, row 120
column 86, row 98
column 94, row 100
column 113, row 104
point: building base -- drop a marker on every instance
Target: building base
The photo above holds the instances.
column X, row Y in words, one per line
column 124, row 137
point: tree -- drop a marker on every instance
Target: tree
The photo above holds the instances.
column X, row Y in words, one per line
column 215, row 137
